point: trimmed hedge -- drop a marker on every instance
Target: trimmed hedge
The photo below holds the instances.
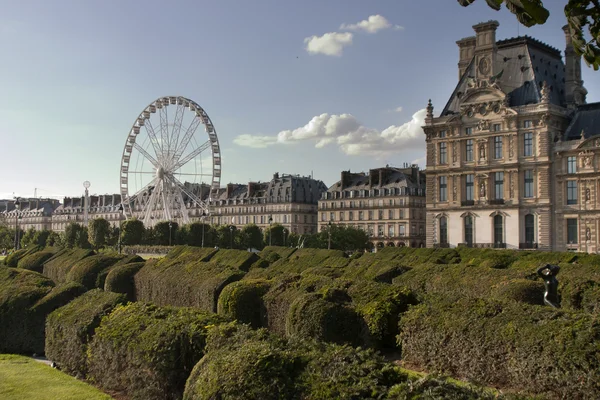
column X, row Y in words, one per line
column 19, row 290
column 242, row 301
column 184, row 279
column 59, row 265
column 120, row 279
column 545, row 351
column 12, row 260
column 148, row 351
column 35, row 261
column 89, row 271
column 299, row 261
column 70, row 328
column 239, row 259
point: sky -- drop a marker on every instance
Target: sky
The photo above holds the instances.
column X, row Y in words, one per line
column 306, row 87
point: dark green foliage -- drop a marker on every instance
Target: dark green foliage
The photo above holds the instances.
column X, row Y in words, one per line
column 324, row 318
column 20, row 289
column 538, row 349
column 148, row 351
column 298, row 261
column 274, row 253
column 165, row 233
column 12, row 260
column 251, row 237
column 98, row 232
column 76, row 235
column 70, row 328
column 35, row 261
column 432, row 387
column 59, row 265
column 521, row 290
column 190, row 277
column 133, row 231
column 120, row 279
column 242, row 301
column 87, row 271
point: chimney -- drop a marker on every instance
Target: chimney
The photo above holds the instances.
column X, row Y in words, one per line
column 229, row 189
column 575, row 93
column 373, row 177
column 276, row 175
column 345, row 179
column 466, row 51
column 485, row 49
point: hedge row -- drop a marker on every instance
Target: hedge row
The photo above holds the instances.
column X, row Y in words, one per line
column 291, row 262
column 120, row 279
column 91, row 271
column 59, row 265
column 545, row 351
column 241, row 363
column 35, row 261
column 12, row 260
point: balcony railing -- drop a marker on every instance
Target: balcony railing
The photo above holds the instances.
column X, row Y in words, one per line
column 467, row 203
column 496, row 202
column 524, row 246
column 483, row 245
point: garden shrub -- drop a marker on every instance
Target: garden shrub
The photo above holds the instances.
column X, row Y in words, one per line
column 434, row 387
column 521, row 290
column 239, row 259
column 120, row 279
column 147, row 351
column 87, row 271
column 35, row 261
column 70, row 328
column 324, row 318
column 274, row 253
column 545, row 351
column 498, row 259
column 58, row 266
column 301, row 260
column 242, row 301
column 12, row 260
column 184, row 279
column 20, row 289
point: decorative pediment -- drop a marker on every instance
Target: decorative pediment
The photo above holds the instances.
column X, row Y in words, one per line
column 591, row 143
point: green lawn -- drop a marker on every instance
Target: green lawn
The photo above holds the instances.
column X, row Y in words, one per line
column 23, row 378
column 2, row 258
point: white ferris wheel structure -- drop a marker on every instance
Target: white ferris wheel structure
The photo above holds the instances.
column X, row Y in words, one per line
column 169, row 166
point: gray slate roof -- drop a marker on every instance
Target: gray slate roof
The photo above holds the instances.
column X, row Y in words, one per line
column 585, row 122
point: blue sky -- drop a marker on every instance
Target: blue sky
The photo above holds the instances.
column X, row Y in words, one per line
column 75, row 74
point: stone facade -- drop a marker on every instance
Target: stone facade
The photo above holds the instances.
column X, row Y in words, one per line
column 497, row 154
column 32, row 213
column 388, row 203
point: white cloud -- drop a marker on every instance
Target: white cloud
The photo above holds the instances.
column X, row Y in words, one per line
column 373, row 24
column 350, row 135
column 398, row 109
column 330, row 44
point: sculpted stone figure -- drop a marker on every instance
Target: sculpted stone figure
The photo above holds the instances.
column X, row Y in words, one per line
column 548, row 274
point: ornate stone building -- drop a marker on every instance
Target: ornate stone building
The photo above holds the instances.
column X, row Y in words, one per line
column 289, row 200
column 508, row 165
column 388, row 203
column 72, row 209
column 32, row 213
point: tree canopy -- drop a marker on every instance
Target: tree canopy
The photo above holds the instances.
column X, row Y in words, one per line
column 583, row 18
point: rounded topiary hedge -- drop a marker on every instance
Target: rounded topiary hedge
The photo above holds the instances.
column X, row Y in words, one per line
column 70, row 328
column 242, row 301
column 12, row 260
column 87, row 270
column 19, row 290
column 35, row 261
column 120, row 279
column 553, row 353
column 59, row 265
column 316, row 316
column 148, row 351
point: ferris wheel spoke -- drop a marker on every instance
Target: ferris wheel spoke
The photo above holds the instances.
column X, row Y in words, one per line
column 177, row 126
column 191, row 156
column 188, row 193
column 150, row 205
column 187, row 174
column 153, row 139
column 165, row 202
column 182, row 208
column 164, row 130
column 187, row 137
column 147, row 155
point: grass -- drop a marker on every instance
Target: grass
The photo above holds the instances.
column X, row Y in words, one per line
column 2, row 258
column 147, row 256
column 24, row 378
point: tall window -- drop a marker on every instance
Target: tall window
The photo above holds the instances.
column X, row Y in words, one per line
column 571, row 192
column 443, row 153
column 497, row 147
column 391, row 231
column 390, row 214
column 331, row 217
column 572, row 231
column 469, row 150
column 443, row 188
column 468, row 221
column 351, row 215
column 443, row 230
column 527, row 124
column 499, row 185
column 571, row 164
column 468, row 131
column 341, row 215
column 442, row 134
column 496, row 127
column 498, row 229
column 528, row 144
column 402, row 230
column 360, row 216
column 380, row 214
column 528, row 187
column 469, row 187
column 529, row 228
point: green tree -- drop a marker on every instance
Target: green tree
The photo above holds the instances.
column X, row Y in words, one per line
column 28, row 239
column 226, row 236
column 41, row 237
column 98, row 232
column 274, row 235
column 251, row 237
column 7, row 237
column 132, row 232
column 195, row 232
column 165, row 235
column 583, row 18
column 75, row 235
column 54, row 239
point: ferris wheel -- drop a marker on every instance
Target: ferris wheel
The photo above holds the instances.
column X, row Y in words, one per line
column 167, row 166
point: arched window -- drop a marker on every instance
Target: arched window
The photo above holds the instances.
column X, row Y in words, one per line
column 443, row 230
column 498, row 231
column 468, row 221
column 529, row 229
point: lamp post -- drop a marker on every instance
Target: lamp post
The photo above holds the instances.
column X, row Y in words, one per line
column 120, row 220
column 270, row 233
column 329, row 235
column 17, row 206
column 231, row 236
column 202, row 219
column 284, row 233
column 170, row 226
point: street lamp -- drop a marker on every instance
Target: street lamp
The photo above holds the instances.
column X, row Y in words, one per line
column 17, row 206
column 202, row 219
column 270, row 234
column 329, row 234
column 284, row 233
column 120, row 220
column 170, row 226
column 231, row 236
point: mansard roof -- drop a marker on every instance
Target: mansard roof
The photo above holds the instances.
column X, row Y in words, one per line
column 523, row 64
column 585, row 122
column 387, row 177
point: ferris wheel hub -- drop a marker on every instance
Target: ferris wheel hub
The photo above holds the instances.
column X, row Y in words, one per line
column 160, row 173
